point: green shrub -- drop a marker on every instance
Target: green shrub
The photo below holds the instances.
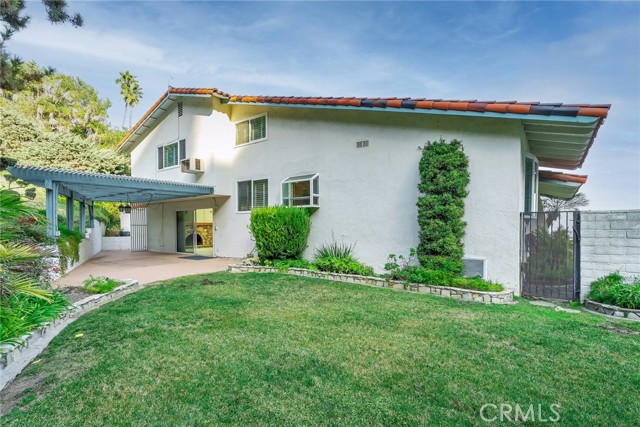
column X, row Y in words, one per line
column 280, row 232
column 444, row 177
column 21, row 314
column 343, row 265
column 477, row 284
column 339, row 258
column 100, row 285
column 614, row 289
column 400, row 268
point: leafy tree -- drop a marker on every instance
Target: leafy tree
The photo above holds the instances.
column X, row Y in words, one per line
column 16, row 74
column 23, row 141
column 63, row 103
column 444, row 177
column 131, row 93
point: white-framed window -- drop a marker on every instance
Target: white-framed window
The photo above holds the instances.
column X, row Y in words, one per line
column 303, row 191
column 170, row 155
column 530, row 184
column 253, row 194
column 253, row 129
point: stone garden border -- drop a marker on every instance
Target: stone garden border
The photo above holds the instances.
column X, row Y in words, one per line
column 612, row 310
column 14, row 358
column 503, row 297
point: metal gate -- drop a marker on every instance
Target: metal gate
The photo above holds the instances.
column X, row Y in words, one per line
column 138, row 229
column 550, row 255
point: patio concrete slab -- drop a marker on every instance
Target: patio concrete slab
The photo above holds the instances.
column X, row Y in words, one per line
column 145, row 267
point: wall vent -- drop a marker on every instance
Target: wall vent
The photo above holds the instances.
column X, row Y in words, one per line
column 179, row 109
column 475, row 267
column 362, row 144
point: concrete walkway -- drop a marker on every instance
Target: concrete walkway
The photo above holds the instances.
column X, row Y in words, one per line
column 146, row 267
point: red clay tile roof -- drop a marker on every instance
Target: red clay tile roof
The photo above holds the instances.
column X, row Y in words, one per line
column 558, row 109
column 514, row 107
column 561, row 176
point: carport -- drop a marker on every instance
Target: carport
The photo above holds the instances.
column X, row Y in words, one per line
column 88, row 187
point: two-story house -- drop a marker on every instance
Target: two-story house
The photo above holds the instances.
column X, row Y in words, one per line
column 355, row 162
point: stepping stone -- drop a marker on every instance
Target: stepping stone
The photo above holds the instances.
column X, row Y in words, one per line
column 542, row 303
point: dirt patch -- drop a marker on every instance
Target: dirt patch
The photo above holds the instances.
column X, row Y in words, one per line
column 74, row 293
column 618, row 329
column 22, row 392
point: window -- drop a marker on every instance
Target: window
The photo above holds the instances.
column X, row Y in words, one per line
column 170, row 154
column 253, row 194
column 530, row 184
column 301, row 191
column 251, row 130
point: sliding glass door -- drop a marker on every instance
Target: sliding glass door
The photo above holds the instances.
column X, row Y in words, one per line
column 194, row 231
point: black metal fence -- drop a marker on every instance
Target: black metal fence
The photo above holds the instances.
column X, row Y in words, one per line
column 550, row 255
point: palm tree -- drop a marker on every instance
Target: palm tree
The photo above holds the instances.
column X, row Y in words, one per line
column 551, row 204
column 130, row 91
column 135, row 94
column 554, row 206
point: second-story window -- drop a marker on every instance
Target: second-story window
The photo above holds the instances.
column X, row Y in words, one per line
column 170, row 154
column 251, row 130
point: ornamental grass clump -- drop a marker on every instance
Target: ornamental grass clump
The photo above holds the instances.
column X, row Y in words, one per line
column 339, row 258
column 280, row 232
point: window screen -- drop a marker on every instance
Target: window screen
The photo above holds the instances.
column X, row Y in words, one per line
column 170, row 154
column 260, row 193
column 244, row 196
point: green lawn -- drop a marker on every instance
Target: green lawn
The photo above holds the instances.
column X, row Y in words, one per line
column 270, row 349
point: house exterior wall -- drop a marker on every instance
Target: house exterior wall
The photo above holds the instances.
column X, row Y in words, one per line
column 367, row 195
column 610, row 241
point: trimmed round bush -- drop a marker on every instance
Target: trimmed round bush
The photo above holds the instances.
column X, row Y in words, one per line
column 280, row 232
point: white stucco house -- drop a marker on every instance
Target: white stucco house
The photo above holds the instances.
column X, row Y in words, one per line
column 355, row 160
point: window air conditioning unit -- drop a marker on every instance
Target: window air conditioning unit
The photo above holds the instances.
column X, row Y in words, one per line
column 192, row 165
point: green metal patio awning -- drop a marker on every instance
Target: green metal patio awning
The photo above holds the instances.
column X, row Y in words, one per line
column 90, row 186
column 559, row 185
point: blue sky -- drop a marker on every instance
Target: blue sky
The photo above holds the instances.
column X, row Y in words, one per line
column 572, row 52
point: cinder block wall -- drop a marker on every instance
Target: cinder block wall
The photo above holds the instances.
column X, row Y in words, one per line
column 610, row 241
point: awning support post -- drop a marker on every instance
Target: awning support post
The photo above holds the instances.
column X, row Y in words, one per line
column 52, row 207
column 70, row 212
column 81, row 218
column 91, row 218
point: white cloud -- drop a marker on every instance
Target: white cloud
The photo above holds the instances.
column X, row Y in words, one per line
column 117, row 46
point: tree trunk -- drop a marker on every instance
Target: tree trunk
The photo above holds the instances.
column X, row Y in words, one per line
column 124, row 119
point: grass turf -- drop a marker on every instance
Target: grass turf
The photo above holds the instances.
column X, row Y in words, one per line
column 271, row 349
